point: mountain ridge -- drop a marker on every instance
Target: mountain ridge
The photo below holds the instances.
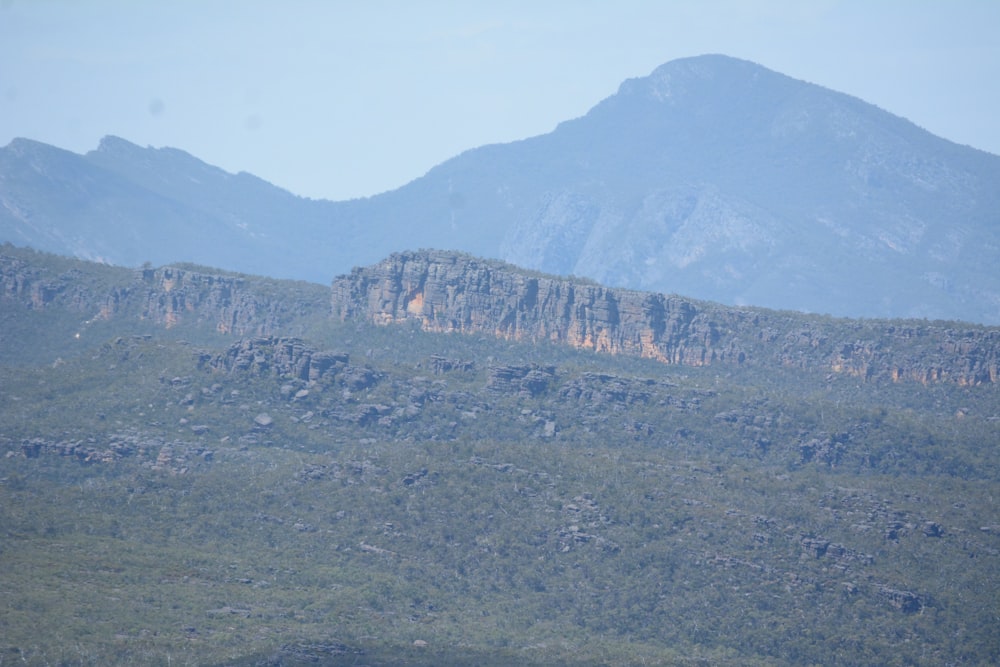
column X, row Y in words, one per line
column 711, row 177
column 448, row 292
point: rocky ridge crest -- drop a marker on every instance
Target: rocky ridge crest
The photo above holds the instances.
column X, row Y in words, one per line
column 452, row 292
column 166, row 296
column 445, row 291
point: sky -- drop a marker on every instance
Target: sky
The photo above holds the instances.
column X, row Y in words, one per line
column 342, row 99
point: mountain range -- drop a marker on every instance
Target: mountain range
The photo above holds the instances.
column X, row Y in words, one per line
column 712, row 177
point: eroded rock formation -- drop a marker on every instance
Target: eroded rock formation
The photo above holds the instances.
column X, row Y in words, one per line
column 167, row 296
column 279, row 357
column 448, row 292
column 453, row 292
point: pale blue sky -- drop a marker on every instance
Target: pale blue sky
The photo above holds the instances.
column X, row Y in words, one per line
column 344, row 99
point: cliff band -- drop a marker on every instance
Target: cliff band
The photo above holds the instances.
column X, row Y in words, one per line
column 452, row 292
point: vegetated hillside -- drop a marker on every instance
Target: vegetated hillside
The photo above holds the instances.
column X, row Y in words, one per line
column 366, row 494
column 712, row 177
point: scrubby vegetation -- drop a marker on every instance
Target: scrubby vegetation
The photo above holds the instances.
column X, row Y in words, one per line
column 384, row 496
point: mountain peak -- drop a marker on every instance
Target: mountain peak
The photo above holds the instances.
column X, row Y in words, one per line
column 112, row 144
column 132, row 160
column 701, row 78
column 22, row 147
column 22, row 143
column 708, row 66
column 112, row 147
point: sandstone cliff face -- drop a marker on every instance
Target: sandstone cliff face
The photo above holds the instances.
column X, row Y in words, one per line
column 167, row 296
column 446, row 292
column 452, row 292
column 172, row 295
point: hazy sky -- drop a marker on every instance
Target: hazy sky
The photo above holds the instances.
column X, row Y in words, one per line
column 342, row 99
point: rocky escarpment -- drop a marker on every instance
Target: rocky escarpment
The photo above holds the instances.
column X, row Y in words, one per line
column 452, row 292
column 445, row 291
column 166, row 297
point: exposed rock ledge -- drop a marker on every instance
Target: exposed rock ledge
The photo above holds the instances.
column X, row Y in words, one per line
column 448, row 291
column 168, row 296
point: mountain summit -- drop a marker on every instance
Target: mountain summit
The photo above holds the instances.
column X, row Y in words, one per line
column 718, row 178
column 712, row 177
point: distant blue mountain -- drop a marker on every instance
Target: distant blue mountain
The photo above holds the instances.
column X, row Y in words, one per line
column 712, row 177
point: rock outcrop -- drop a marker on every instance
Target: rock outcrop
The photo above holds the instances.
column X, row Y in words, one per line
column 452, row 292
column 166, row 297
column 287, row 358
column 527, row 380
column 173, row 294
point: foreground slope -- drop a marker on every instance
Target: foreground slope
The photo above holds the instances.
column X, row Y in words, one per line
column 176, row 490
column 712, row 177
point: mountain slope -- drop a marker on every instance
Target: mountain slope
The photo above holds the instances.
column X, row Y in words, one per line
column 712, row 177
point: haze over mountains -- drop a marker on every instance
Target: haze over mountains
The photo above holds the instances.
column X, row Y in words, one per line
column 713, row 177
